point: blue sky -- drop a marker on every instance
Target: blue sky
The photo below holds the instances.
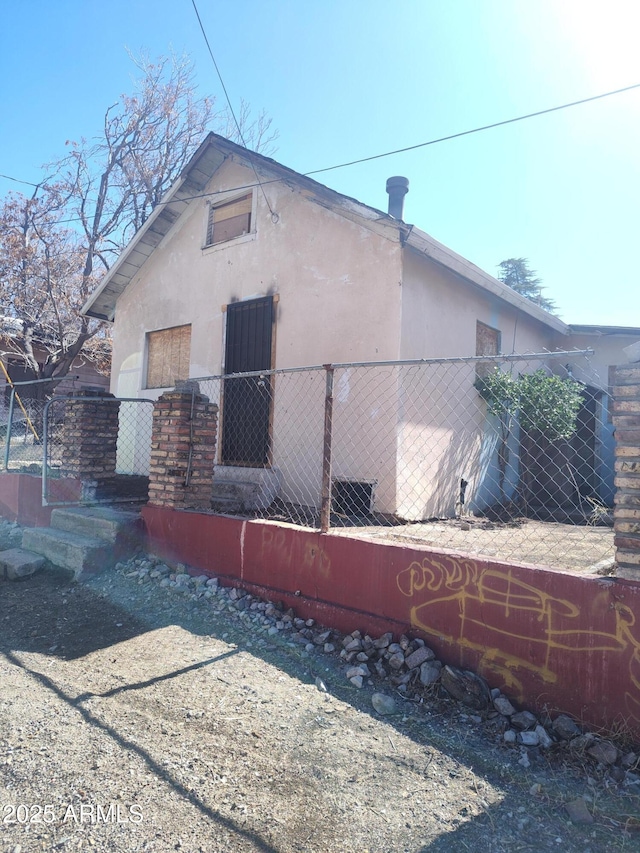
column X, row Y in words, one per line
column 344, row 79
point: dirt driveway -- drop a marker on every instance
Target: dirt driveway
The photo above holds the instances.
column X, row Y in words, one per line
column 133, row 718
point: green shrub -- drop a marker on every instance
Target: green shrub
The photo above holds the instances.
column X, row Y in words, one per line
column 543, row 404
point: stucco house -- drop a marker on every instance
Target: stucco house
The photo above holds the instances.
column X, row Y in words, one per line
column 246, row 265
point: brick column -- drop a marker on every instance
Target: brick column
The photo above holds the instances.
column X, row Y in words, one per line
column 183, row 446
column 626, row 420
column 89, row 436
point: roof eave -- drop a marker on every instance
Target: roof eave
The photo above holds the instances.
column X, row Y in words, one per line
column 445, row 257
column 603, row 331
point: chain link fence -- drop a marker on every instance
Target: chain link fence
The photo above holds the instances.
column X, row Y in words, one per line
column 21, row 423
column 507, row 456
column 102, row 442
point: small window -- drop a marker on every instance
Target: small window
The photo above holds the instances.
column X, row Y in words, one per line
column 487, row 340
column 487, row 343
column 168, row 356
column 229, row 220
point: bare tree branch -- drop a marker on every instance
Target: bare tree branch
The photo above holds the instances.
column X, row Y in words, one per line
column 56, row 245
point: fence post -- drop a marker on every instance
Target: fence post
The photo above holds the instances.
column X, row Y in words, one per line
column 183, row 448
column 325, row 507
column 89, row 438
column 7, row 444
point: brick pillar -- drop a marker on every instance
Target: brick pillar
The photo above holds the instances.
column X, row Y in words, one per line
column 626, row 420
column 183, row 446
column 89, row 436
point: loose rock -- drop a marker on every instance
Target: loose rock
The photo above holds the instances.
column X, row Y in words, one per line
column 466, row 687
column 578, row 811
column 420, row 656
column 503, row 706
column 523, row 720
column 383, row 704
column 604, row 752
column 565, row 727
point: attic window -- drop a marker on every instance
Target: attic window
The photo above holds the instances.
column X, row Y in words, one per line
column 229, row 220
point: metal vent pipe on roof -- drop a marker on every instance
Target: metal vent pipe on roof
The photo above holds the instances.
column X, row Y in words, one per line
column 397, row 187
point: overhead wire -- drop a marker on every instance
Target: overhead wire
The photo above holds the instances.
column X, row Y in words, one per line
column 475, row 130
column 384, row 154
column 226, row 94
column 18, row 181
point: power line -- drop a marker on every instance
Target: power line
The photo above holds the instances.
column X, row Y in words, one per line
column 379, row 156
column 18, row 181
column 476, row 130
column 226, row 94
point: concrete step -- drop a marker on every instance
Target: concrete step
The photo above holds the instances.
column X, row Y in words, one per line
column 119, row 528
column 71, row 551
column 16, row 563
column 234, row 495
column 244, row 488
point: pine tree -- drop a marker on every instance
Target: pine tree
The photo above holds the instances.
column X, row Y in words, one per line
column 515, row 273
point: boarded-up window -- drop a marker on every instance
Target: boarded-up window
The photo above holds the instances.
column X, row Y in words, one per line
column 487, row 340
column 487, row 343
column 229, row 220
column 168, row 356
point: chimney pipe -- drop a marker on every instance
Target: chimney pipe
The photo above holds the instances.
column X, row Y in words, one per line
column 397, row 187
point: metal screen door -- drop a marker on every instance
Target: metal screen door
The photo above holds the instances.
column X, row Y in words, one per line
column 247, row 400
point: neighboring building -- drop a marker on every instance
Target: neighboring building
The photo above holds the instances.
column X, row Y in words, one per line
column 83, row 374
column 226, row 276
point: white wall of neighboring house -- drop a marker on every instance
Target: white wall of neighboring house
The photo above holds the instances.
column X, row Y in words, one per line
column 608, row 346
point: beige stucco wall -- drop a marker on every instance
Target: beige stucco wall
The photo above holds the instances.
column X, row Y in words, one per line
column 337, row 283
column 443, row 435
column 338, row 289
column 440, row 311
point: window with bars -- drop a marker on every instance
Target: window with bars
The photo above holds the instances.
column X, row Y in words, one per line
column 228, row 220
column 168, row 356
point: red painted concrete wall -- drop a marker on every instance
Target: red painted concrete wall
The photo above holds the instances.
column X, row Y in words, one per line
column 549, row 639
column 21, row 497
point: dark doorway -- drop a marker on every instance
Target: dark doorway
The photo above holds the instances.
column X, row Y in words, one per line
column 247, row 400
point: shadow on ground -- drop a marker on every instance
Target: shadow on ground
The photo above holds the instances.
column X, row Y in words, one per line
column 48, row 615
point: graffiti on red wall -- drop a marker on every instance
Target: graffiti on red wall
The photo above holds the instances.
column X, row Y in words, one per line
column 514, row 625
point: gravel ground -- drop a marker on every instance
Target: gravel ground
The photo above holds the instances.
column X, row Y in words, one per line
column 136, row 718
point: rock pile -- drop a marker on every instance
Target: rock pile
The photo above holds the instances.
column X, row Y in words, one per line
column 407, row 666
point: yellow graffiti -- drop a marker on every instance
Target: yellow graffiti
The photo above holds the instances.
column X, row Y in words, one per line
column 514, row 612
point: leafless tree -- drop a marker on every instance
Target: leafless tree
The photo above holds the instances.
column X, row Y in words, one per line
column 56, row 245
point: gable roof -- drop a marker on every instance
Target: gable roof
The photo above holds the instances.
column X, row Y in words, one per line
column 191, row 184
